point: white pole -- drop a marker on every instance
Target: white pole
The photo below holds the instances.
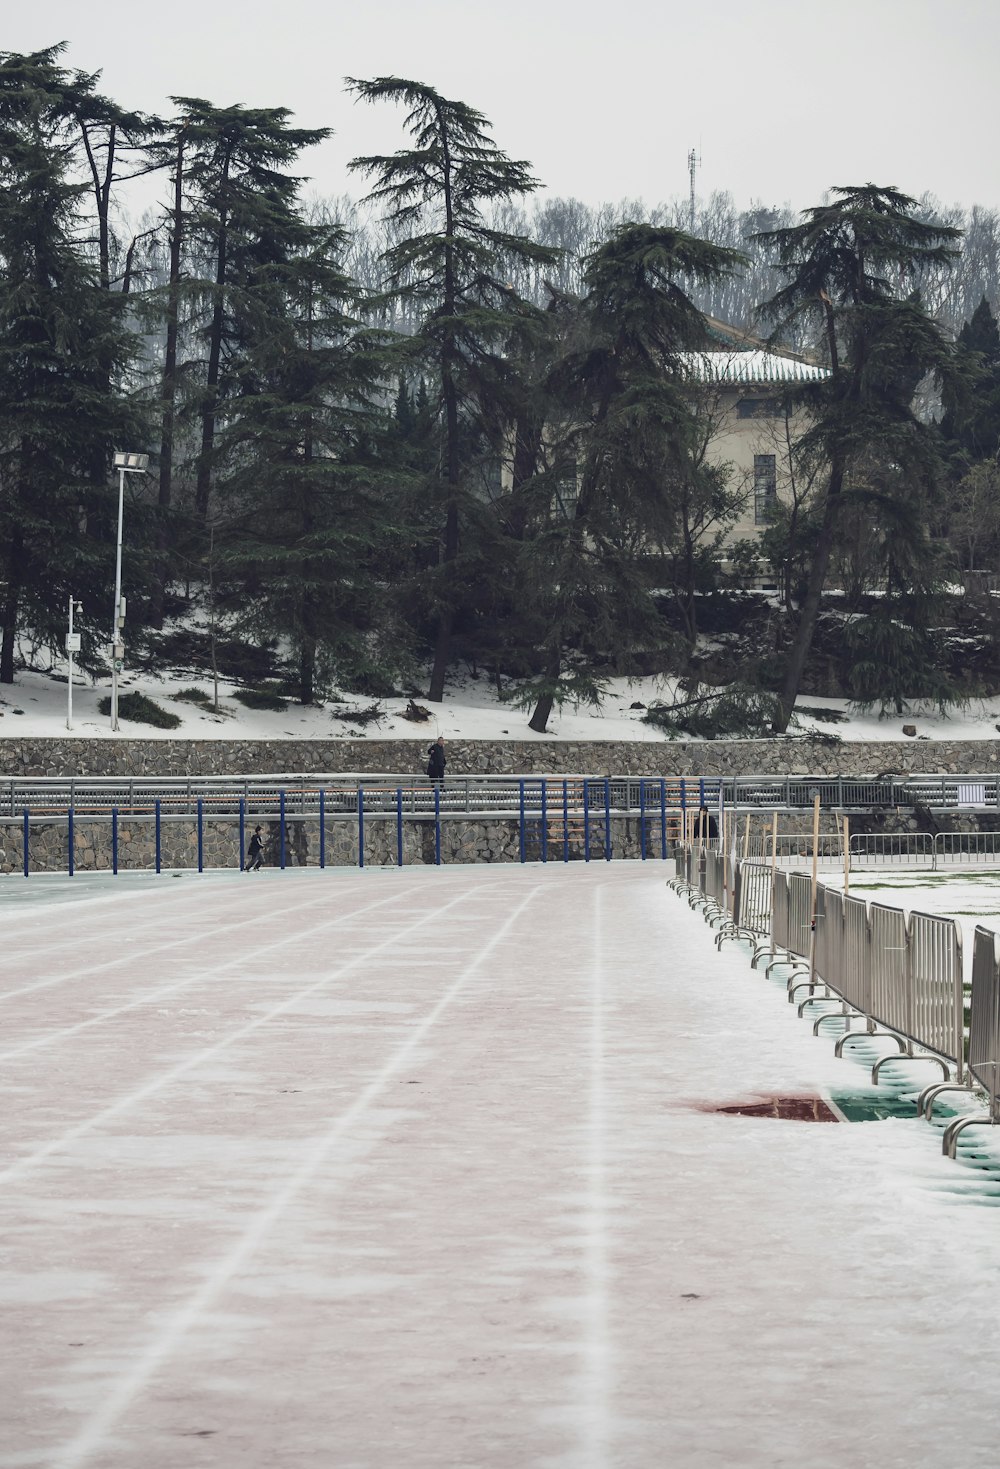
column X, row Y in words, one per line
column 116, row 620
column 69, row 655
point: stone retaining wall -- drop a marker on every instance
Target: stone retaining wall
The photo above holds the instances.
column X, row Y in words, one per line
column 139, row 757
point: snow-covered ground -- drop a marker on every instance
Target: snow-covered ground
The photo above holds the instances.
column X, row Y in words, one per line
column 36, row 705
column 426, row 1167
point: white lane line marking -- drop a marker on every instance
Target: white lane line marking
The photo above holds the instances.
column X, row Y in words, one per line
column 91, row 1436
column 150, row 1088
column 595, row 1422
column 130, row 957
column 79, row 924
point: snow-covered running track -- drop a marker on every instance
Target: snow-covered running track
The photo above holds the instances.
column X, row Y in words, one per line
column 422, row 1168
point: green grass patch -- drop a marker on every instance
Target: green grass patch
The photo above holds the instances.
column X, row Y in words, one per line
column 136, row 708
column 192, row 696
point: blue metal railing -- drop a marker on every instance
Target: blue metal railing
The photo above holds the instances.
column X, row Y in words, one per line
column 551, row 819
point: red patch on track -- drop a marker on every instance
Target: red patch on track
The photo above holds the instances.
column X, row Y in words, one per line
column 790, row 1109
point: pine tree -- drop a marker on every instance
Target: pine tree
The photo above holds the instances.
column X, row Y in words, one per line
column 453, row 267
column 242, row 213
column 303, row 496
column 971, row 423
column 630, row 443
column 849, row 272
column 62, row 349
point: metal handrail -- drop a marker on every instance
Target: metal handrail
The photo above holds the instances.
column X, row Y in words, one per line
column 477, row 793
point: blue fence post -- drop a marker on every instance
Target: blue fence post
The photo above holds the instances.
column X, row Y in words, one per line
column 565, row 821
column 361, row 825
column 544, row 828
column 27, row 825
column 663, row 818
column 322, row 829
column 684, row 824
column 69, row 840
column 281, row 832
column 437, row 824
column 701, row 793
column 201, row 835
column 399, row 826
column 157, row 835
column 607, row 819
column 586, row 821
column 114, row 840
column 642, row 818
column 243, row 833
column 520, row 834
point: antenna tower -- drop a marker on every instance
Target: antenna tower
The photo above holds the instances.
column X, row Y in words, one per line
column 694, row 159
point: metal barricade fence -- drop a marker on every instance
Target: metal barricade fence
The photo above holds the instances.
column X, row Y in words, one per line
column 984, row 1021
column 965, row 848
column 799, row 913
column 934, row 981
column 780, row 921
column 754, row 908
column 887, row 849
column 856, row 955
column 902, row 972
column 829, row 937
column 729, row 869
column 714, row 875
column 887, row 967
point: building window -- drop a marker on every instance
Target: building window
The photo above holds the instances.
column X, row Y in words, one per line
column 765, row 488
column 760, row 408
column 567, row 491
column 490, row 480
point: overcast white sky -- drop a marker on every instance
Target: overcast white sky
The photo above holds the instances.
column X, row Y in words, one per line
column 605, row 97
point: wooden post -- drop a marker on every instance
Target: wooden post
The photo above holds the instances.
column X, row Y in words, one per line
column 774, row 866
column 815, row 885
column 847, row 855
column 746, row 838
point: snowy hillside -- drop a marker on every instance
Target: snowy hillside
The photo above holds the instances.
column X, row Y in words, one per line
column 36, row 705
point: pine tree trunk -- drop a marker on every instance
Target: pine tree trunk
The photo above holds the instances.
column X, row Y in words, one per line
column 446, row 616
column 809, row 614
column 168, row 397
column 540, row 715
column 203, row 481
column 307, row 669
column 442, row 650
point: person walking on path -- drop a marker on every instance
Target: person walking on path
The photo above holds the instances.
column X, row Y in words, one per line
column 255, row 851
column 436, row 761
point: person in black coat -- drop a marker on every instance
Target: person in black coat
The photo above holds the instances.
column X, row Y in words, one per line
column 436, row 761
column 255, row 851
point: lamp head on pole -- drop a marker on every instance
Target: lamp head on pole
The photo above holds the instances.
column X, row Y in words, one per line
column 136, row 463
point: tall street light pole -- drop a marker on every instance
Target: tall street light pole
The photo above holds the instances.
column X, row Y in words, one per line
column 125, row 464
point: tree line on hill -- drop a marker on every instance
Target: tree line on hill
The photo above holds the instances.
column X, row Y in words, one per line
column 471, row 431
